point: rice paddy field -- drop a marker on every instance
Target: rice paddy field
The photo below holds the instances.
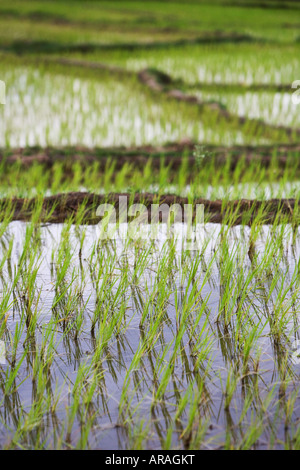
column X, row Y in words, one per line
column 157, row 333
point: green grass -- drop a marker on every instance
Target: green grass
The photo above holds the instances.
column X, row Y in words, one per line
column 194, row 16
column 106, row 111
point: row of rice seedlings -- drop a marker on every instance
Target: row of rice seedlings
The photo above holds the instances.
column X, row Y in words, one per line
column 227, row 63
column 166, row 357
column 273, row 108
column 155, row 18
column 106, row 113
column 40, row 351
column 239, row 317
column 248, row 338
column 204, row 179
column 66, row 34
column 173, row 372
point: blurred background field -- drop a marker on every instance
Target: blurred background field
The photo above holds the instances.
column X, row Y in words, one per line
column 242, row 55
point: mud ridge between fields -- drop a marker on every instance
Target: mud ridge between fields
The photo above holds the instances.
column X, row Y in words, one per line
column 51, row 47
column 245, row 87
column 160, row 82
column 82, row 207
column 172, row 155
column 264, row 5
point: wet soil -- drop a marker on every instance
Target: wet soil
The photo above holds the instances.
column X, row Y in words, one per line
column 61, row 207
column 172, row 155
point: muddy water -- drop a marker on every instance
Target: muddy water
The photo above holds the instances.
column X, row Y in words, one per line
column 110, row 429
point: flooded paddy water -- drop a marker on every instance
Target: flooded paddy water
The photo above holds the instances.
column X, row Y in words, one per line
column 123, row 344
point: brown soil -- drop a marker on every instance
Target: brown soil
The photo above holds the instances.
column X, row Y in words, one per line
column 61, row 207
column 137, row 157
